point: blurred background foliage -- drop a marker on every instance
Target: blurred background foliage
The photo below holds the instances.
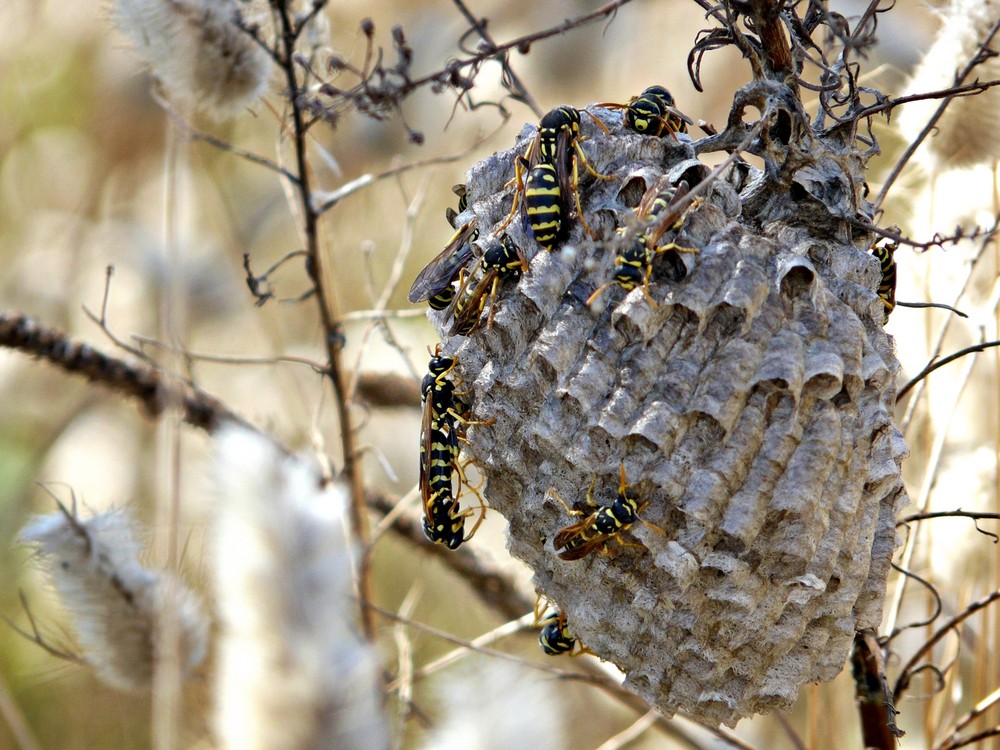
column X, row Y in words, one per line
column 84, row 150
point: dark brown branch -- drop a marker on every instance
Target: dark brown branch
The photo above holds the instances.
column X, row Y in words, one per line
column 156, row 390
column 875, row 707
column 908, row 669
column 942, row 362
column 777, row 52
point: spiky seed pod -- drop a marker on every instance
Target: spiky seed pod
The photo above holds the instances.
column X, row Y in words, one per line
column 198, row 52
column 751, row 408
column 116, row 603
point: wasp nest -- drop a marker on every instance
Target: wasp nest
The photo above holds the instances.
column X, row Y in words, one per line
column 751, row 408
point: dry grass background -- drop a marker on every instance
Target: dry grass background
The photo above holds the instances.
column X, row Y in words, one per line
column 83, row 150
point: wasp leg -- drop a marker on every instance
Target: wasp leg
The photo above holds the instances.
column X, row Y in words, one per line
column 471, row 512
column 576, row 196
column 677, row 248
column 598, row 292
column 521, row 165
column 586, row 164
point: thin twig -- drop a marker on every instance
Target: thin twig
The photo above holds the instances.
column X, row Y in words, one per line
column 972, row 739
column 945, row 326
column 328, row 199
column 517, row 86
column 903, row 681
column 942, row 362
column 16, row 721
column 333, row 335
column 978, row 710
column 915, row 144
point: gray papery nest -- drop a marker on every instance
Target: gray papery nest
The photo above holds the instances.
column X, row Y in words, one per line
column 752, row 410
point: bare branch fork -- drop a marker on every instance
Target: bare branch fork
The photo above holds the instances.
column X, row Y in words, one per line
column 286, row 45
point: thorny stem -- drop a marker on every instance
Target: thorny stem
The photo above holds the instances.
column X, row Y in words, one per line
column 333, row 335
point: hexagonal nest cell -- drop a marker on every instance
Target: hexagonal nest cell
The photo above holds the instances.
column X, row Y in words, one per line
column 751, row 407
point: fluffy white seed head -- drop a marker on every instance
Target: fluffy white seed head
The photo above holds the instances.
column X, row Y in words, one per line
column 293, row 672
column 966, row 133
column 198, row 52
column 116, row 603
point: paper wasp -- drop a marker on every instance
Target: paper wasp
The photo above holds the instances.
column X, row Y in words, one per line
column 555, row 638
column 634, row 263
column 463, row 203
column 547, row 189
column 434, row 282
column 653, row 113
column 605, row 522
column 502, row 261
column 443, row 411
column 885, row 250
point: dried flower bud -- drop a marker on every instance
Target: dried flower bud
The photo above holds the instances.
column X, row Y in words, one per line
column 117, row 605
column 197, row 50
column 368, row 27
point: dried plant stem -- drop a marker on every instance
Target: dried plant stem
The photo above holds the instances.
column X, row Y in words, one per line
column 333, row 335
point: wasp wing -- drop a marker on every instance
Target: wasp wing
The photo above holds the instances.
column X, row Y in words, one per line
column 445, row 266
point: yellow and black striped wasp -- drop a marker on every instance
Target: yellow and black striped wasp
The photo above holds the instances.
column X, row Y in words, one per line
column 545, row 191
column 555, row 638
column 653, row 113
column 501, row 261
column 634, row 263
column 885, row 250
column 435, row 281
column 443, row 411
column 605, row 522
column 463, row 203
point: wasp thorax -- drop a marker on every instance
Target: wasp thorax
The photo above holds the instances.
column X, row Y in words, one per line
column 747, row 395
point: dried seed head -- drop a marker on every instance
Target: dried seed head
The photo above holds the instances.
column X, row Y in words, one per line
column 751, row 408
column 116, row 603
column 293, row 672
column 197, row 50
column 966, row 133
